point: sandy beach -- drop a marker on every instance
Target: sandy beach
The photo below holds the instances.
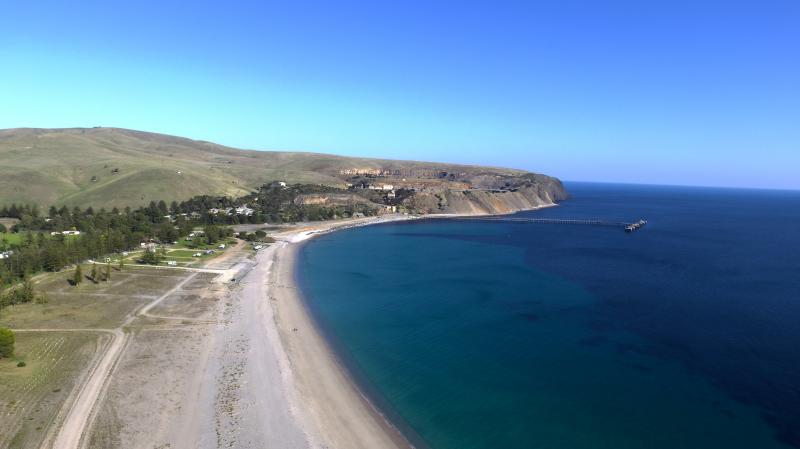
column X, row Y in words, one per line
column 229, row 357
column 329, row 405
column 253, row 373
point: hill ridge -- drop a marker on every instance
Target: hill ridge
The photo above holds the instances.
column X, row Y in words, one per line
column 108, row 166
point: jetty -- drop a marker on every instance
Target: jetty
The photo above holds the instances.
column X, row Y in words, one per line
column 627, row 226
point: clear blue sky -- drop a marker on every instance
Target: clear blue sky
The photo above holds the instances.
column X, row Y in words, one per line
column 676, row 92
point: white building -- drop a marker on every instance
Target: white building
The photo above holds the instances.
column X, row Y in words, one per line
column 244, row 210
column 381, row 187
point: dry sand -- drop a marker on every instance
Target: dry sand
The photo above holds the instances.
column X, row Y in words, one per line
column 215, row 364
column 331, row 404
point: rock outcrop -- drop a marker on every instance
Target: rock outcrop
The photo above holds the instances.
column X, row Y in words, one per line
column 513, row 195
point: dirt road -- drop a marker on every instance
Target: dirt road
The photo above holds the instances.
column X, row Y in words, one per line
column 80, row 412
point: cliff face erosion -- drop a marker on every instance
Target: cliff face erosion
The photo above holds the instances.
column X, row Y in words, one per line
column 530, row 191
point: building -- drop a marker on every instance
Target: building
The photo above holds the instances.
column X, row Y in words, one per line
column 384, row 187
column 244, row 210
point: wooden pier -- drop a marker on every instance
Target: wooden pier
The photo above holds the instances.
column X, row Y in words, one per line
column 627, row 226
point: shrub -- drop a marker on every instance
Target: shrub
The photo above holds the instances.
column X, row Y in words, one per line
column 6, row 342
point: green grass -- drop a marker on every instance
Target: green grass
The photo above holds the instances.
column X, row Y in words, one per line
column 30, row 397
column 10, row 238
column 180, row 253
column 16, row 238
column 198, row 244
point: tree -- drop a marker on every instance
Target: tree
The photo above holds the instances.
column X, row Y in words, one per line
column 151, row 257
column 108, row 272
column 77, row 278
column 212, row 234
column 94, row 273
column 3, row 228
column 6, row 342
column 121, row 263
column 25, row 292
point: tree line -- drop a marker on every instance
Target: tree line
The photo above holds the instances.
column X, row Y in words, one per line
column 101, row 232
column 43, row 247
column 273, row 203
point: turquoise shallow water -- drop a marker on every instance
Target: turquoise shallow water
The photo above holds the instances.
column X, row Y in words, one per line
column 487, row 335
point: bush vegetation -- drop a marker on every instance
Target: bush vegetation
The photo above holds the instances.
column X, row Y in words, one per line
column 6, row 343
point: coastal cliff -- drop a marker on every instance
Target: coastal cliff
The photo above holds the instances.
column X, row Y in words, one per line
column 516, row 194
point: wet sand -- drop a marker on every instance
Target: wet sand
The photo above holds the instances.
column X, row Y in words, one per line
column 331, row 404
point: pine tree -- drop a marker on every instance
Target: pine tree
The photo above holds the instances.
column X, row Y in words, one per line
column 108, row 272
column 94, row 273
column 121, row 263
column 78, row 277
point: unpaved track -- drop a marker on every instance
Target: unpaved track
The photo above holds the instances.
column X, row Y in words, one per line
column 78, row 416
column 69, row 435
column 245, row 403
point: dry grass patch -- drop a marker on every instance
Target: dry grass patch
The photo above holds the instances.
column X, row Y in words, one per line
column 102, row 305
column 32, row 396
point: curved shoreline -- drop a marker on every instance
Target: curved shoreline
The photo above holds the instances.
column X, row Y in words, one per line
column 326, row 399
column 325, row 396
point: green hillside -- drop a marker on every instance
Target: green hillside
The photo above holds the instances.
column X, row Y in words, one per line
column 106, row 167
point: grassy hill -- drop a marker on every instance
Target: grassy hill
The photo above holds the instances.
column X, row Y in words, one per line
column 105, row 167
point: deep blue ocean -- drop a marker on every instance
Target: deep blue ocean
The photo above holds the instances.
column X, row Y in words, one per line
column 473, row 334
